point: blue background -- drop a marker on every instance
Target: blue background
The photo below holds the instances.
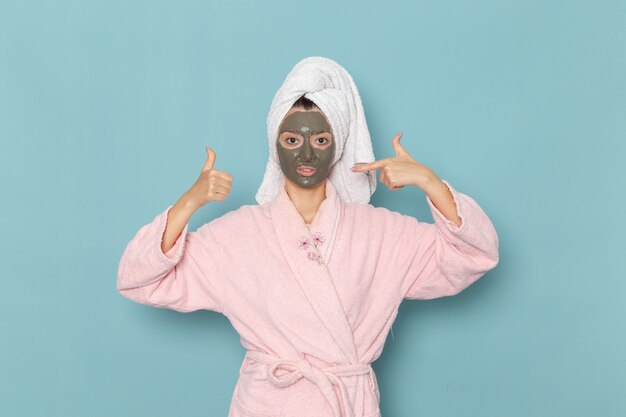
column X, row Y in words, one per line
column 105, row 110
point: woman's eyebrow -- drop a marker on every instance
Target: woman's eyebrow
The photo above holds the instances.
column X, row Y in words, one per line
column 292, row 131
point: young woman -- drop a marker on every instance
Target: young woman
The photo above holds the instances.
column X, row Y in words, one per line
column 312, row 276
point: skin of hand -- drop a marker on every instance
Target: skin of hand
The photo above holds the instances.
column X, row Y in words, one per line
column 211, row 185
column 401, row 170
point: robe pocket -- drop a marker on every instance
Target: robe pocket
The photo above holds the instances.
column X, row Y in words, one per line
column 243, row 406
column 241, row 410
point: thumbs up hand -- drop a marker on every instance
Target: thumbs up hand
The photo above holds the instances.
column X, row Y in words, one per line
column 398, row 171
column 211, row 185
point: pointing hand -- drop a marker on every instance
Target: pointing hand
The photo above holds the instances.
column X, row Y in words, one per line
column 398, row 171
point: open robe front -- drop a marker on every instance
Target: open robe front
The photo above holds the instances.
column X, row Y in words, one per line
column 312, row 303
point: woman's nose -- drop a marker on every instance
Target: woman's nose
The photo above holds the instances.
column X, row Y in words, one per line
column 307, row 153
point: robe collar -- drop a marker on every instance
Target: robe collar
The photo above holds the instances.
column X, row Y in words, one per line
column 319, row 236
column 308, row 251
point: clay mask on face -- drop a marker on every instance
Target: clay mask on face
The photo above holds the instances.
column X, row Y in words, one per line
column 305, row 139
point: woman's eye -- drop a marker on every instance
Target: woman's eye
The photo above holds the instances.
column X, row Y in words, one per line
column 323, row 139
column 288, row 140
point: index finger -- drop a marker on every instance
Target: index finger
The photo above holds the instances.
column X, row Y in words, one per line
column 367, row 166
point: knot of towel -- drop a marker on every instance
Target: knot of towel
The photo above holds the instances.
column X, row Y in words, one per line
column 333, row 90
column 324, row 378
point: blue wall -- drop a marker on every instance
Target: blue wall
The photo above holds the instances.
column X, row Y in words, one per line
column 105, row 110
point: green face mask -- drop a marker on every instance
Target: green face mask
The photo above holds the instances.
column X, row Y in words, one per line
column 305, row 139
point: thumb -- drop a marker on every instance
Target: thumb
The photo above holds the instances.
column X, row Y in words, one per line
column 397, row 146
column 210, row 160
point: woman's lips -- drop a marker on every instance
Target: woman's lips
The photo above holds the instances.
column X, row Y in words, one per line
column 306, row 171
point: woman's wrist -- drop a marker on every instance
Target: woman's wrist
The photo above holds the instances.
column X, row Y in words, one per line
column 188, row 203
column 425, row 179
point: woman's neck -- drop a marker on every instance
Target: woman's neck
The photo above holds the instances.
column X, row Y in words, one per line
column 306, row 200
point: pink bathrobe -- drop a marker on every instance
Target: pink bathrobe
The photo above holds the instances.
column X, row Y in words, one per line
column 312, row 303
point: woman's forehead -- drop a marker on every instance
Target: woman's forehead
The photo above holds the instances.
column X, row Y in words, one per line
column 315, row 118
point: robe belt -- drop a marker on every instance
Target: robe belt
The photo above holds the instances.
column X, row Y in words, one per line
column 324, row 378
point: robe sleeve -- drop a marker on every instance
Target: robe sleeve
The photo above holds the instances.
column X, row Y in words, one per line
column 185, row 278
column 442, row 259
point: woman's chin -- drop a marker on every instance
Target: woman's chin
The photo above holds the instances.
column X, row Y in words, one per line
column 306, row 182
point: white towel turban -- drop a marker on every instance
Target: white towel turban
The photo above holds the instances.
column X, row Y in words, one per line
column 332, row 89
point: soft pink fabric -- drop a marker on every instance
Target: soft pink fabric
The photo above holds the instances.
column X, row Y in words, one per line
column 304, row 308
